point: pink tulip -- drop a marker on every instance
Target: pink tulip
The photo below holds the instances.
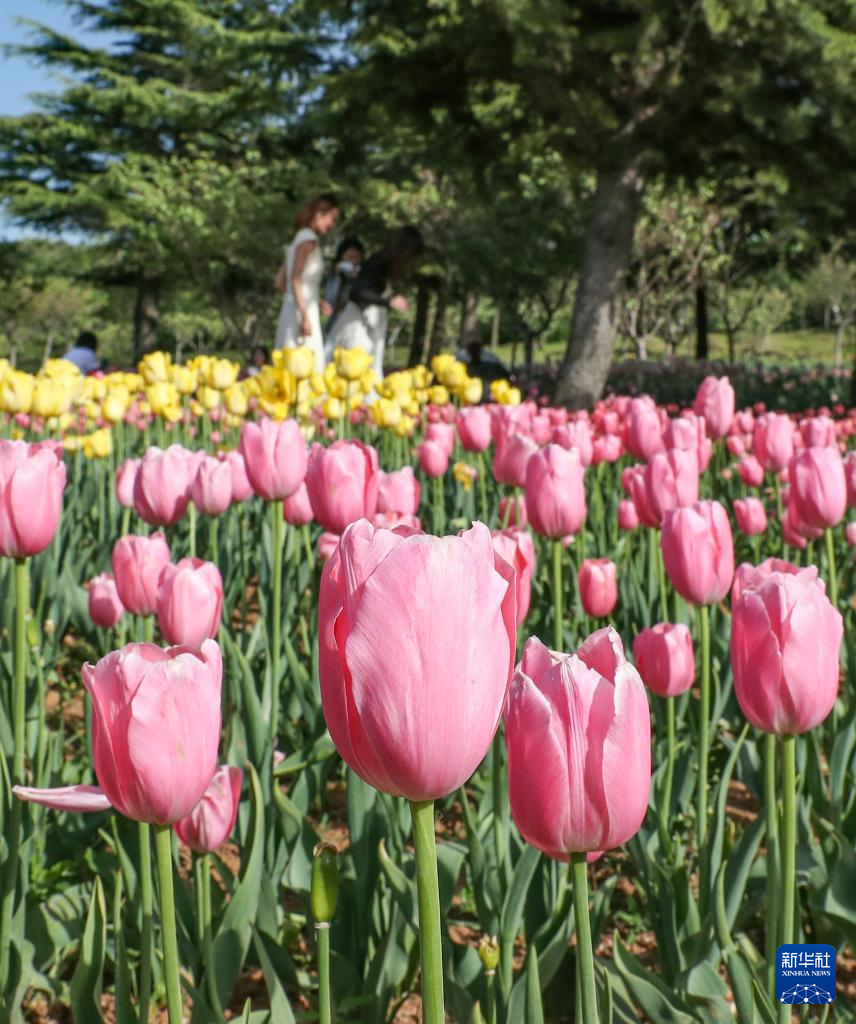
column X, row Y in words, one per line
column 474, row 428
column 275, row 456
column 850, row 533
column 162, row 484
column 518, row 549
column 665, row 659
column 126, row 474
column 511, row 458
column 442, row 434
column 211, row 821
column 608, row 448
column 751, row 471
column 327, row 544
column 793, row 530
column 137, row 566
column 342, row 482
column 541, row 429
column 297, row 508
column 698, row 552
column 745, row 421
column 241, row 486
column 189, row 602
column 105, row 606
column 818, row 432
column 555, row 491
column 433, row 458
column 578, row 733
column 735, row 445
column 512, row 511
column 773, row 441
column 598, row 587
column 715, row 402
column 748, row 575
column 576, row 435
column 819, row 487
column 155, row 733
column 389, row 521
column 211, row 489
column 785, row 651
column 644, row 430
column 634, row 480
column 32, row 480
column 628, row 517
column 417, row 637
column 671, row 481
column 399, row 492
column 751, row 516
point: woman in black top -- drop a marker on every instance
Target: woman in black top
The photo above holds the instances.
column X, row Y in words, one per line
column 363, row 321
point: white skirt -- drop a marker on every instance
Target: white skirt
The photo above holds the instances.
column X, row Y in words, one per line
column 288, row 330
column 360, row 328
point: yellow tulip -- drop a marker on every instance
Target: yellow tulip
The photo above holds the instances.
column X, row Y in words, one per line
column 421, row 376
column 333, row 408
column 155, row 367
column 94, row 388
column 236, row 401
column 352, row 363
column 405, row 426
column 299, row 361
column 50, row 397
column 441, row 363
column 438, row 395
column 464, row 473
column 208, row 397
column 454, row 375
column 368, row 382
column 16, row 392
column 62, row 423
column 185, row 379
column 277, row 409
column 115, row 404
column 220, row 373
column 385, row 412
column 72, row 443
column 318, row 382
column 98, row 444
column 161, row 395
column 472, row 391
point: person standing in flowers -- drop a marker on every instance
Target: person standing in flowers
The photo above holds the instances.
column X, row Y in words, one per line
column 299, row 278
column 363, row 321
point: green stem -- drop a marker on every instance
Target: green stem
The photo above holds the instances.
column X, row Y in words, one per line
column 771, row 812
column 19, row 711
column 277, row 524
column 325, row 1003
column 428, row 892
column 788, row 850
column 664, row 599
column 163, row 851
column 582, row 925
column 490, row 981
column 669, row 774
column 146, row 903
column 500, row 802
column 213, row 530
column 831, row 572
column 558, row 609
column 703, row 738
column 191, row 528
column 482, row 469
column 207, row 941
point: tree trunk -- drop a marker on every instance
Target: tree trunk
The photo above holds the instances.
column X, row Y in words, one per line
column 839, row 343
column 494, row 330
column 420, row 324
column 469, row 319
column 732, row 342
column 702, row 342
column 438, row 328
column 146, row 316
column 607, row 252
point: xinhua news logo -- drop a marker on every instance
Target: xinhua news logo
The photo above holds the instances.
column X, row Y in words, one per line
column 805, row 973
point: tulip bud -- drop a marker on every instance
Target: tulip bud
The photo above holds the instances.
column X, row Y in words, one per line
column 489, row 952
column 324, row 888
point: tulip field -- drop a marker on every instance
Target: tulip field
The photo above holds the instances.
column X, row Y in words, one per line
column 327, row 698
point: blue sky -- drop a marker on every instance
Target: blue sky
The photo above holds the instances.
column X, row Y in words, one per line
column 18, row 77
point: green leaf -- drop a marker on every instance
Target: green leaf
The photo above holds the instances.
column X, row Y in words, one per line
column 534, row 1006
column 235, row 932
column 88, row 975
column 654, row 998
column 280, row 1007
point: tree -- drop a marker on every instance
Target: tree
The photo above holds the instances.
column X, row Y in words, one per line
column 189, row 86
column 620, row 93
column 831, row 283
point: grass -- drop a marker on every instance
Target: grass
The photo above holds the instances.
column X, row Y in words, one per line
column 781, row 347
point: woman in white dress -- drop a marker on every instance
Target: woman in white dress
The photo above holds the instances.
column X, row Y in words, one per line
column 299, row 278
column 363, row 321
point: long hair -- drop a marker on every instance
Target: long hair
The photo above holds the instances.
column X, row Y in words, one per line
column 320, row 204
column 402, row 250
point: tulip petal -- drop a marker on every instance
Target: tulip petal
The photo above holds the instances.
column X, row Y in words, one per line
column 83, row 799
